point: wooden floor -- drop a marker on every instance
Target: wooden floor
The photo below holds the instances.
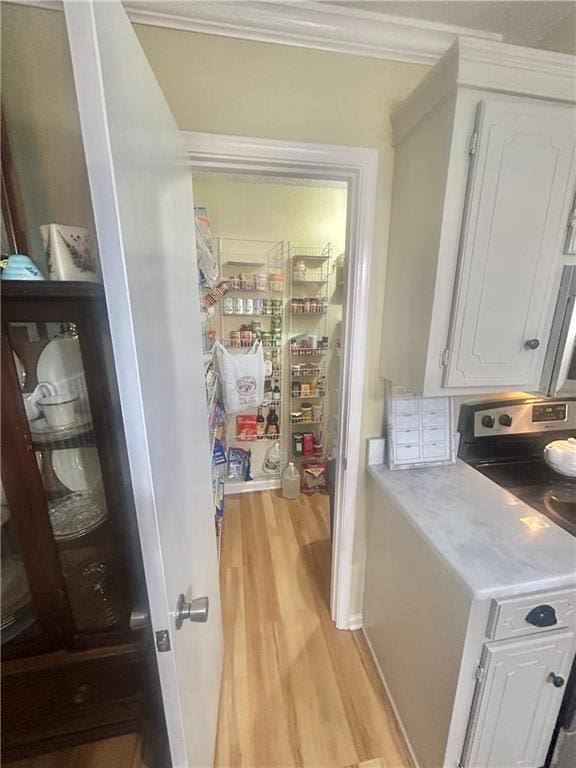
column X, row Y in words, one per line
column 121, row 752
column 296, row 691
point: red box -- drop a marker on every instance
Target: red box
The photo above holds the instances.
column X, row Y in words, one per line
column 246, row 427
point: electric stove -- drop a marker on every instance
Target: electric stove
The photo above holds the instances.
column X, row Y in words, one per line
column 505, row 441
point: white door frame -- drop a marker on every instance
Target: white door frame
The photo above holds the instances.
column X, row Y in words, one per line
column 358, row 167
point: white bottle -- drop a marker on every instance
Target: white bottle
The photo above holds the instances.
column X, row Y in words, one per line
column 272, row 459
column 291, row 482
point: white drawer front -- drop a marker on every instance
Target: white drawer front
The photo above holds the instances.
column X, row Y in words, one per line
column 508, row 618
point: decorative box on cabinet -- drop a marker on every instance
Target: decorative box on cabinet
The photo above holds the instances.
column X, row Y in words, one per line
column 484, row 178
column 73, row 668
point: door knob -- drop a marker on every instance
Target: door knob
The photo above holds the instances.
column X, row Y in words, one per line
column 197, row 610
column 532, row 343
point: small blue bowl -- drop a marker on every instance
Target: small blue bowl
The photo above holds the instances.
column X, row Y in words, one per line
column 21, row 267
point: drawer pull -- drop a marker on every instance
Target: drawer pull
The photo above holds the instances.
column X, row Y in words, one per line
column 556, row 680
column 542, row 616
column 81, row 692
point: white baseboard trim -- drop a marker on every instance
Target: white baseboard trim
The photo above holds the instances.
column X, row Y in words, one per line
column 355, row 621
column 392, row 704
column 232, row 487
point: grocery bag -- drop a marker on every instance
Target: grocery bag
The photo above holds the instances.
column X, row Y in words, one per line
column 242, row 377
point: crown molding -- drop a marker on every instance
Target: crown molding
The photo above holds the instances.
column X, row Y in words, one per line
column 307, row 24
column 487, row 66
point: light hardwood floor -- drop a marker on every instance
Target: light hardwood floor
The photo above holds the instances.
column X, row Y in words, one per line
column 120, row 752
column 296, row 691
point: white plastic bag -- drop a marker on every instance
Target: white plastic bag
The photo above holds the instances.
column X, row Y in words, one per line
column 242, row 377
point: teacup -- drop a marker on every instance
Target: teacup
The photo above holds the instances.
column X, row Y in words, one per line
column 59, row 410
column 43, row 389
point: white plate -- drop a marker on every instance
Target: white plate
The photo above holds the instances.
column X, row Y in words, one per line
column 41, row 428
column 78, row 468
column 60, row 364
column 15, row 588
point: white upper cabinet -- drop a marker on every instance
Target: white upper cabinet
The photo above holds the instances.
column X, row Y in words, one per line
column 520, row 178
column 485, row 172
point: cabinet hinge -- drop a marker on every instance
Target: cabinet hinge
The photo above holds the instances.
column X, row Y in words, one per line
column 445, row 356
column 473, row 146
column 479, row 673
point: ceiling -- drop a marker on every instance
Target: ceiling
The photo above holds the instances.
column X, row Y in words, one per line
column 522, row 22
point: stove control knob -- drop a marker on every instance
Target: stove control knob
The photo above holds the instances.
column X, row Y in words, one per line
column 488, row 421
column 505, row 419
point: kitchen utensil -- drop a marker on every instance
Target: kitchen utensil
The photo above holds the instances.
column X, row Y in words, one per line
column 78, row 468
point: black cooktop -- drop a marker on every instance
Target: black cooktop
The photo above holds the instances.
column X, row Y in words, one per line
column 537, row 485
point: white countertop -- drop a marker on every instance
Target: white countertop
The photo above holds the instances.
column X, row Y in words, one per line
column 476, row 527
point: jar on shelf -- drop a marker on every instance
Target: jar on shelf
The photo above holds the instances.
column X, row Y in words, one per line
column 307, row 305
column 276, row 282
column 235, row 282
column 261, row 281
column 306, row 409
column 296, row 389
column 234, row 338
column 248, row 282
column 299, row 270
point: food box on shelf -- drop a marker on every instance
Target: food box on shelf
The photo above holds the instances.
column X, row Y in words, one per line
column 246, row 426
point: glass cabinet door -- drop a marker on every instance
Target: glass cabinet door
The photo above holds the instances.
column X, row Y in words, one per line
column 17, row 614
column 83, row 519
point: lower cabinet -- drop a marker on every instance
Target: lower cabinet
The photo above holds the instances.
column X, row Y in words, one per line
column 519, row 691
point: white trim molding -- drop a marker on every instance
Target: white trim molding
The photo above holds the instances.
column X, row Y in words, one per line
column 323, row 26
column 358, row 168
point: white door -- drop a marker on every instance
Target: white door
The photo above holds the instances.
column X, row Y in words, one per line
column 141, row 189
column 521, row 184
column 516, row 706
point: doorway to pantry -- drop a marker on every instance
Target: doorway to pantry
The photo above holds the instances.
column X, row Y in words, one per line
column 288, row 229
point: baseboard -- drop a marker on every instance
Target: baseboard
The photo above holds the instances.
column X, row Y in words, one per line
column 392, row 704
column 251, row 486
column 355, row 621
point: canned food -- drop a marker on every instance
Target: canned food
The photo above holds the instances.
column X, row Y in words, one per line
column 238, row 306
column 248, row 282
column 235, row 282
column 261, row 281
column 228, row 306
column 266, row 307
column 258, row 306
column 276, row 306
column 248, row 306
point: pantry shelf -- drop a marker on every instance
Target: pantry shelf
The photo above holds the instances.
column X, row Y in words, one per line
column 303, row 420
column 253, row 438
column 307, row 352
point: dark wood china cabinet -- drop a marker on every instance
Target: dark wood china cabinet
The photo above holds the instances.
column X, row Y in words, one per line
column 77, row 656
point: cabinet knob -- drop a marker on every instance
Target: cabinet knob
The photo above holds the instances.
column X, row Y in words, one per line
column 532, row 343
column 542, row 616
column 556, row 680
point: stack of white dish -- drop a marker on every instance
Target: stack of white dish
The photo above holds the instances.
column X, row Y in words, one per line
column 15, row 591
column 77, row 514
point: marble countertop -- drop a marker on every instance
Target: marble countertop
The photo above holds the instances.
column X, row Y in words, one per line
column 480, row 530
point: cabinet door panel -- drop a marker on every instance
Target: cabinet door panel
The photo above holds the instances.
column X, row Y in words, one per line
column 516, row 706
column 521, row 182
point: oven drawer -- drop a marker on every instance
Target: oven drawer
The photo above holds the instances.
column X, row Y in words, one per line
column 518, row 616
